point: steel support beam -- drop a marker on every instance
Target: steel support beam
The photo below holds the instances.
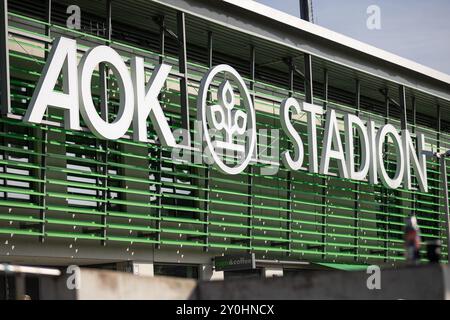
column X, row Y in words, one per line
column 444, row 182
column 44, row 137
column 385, row 191
column 108, row 29
column 182, row 67
column 48, row 11
column 357, row 187
column 404, row 126
column 305, row 10
column 103, row 70
column 289, row 186
column 207, row 168
column 309, row 97
column 324, row 180
column 414, row 131
column 438, row 147
column 414, row 114
column 443, row 166
column 251, row 169
column 104, row 102
column 159, row 156
column 5, row 99
column 210, row 49
column 403, row 106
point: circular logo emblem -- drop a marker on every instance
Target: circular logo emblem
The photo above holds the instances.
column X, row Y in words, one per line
column 229, row 125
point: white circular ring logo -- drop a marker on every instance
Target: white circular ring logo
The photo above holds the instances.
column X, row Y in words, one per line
column 223, row 117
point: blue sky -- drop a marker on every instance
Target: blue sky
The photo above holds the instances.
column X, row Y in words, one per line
column 415, row 29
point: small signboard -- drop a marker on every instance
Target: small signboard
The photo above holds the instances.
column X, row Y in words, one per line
column 235, row 262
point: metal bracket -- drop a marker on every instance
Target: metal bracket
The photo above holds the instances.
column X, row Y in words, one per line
column 290, row 63
column 159, row 20
column 385, row 93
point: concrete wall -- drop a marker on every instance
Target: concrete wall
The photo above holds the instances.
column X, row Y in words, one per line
column 109, row 285
column 424, row 282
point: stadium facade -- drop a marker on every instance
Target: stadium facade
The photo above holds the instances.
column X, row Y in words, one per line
column 335, row 134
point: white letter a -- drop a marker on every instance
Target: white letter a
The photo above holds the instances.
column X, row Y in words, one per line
column 62, row 56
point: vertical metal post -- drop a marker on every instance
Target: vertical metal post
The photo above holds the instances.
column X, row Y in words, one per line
column 414, row 130
column 324, row 180
column 49, row 22
column 402, row 102
column 251, row 169
column 385, row 190
column 414, row 114
column 305, row 11
column 108, row 31
column 158, row 177
column 44, row 134
column 103, row 70
column 182, row 66
column 308, row 78
column 207, row 168
column 105, row 115
column 404, row 126
column 444, row 180
column 446, row 201
column 5, row 94
column 162, row 39
column 5, row 99
column 210, row 49
column 357, row 196
column 289, row 186
column 437, row 198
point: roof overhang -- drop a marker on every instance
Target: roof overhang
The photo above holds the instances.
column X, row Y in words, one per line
column 264, row 22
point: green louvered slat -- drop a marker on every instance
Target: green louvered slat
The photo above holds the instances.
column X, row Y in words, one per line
column 75, row 210
column 131, row 227
column 129, row 215
column 75, row 184
column 133, row 203
column 20, row 191
column 74, row 223
column 19, row 204
column 132, row 240
column 76, row 172
column 22, row 232
column 74, row 196
column 74, row 235
column 19, row 177
column 13, row 217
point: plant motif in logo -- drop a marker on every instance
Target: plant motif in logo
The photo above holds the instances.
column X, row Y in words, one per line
column 224, row 117
column 233, row 128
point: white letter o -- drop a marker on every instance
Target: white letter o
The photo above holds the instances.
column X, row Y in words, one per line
column 395, row 182
column 96, row 124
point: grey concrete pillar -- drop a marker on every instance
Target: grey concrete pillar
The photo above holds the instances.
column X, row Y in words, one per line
column 207, row 273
